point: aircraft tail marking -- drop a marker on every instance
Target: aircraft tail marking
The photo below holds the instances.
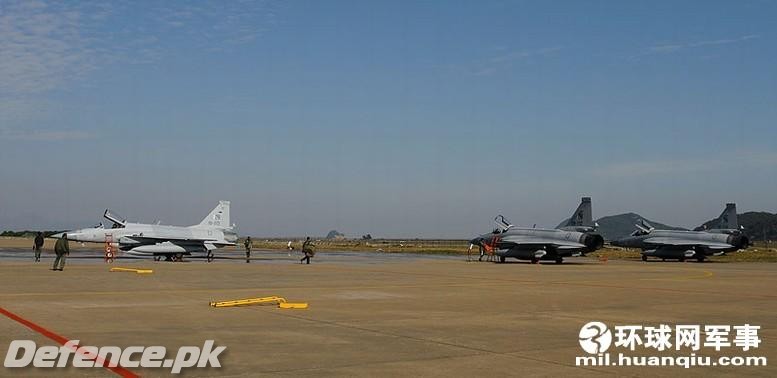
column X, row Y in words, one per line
column 728, row 219
column 583, row 215
column 218, row 217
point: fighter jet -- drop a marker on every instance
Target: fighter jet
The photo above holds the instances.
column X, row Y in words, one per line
column 170, row 242
column 577, row 237
column 681, row 245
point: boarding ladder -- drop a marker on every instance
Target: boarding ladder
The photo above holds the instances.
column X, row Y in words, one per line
column 110, row 250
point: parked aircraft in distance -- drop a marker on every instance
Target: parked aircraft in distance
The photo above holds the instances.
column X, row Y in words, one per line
column 681, row 245
column 577, row 237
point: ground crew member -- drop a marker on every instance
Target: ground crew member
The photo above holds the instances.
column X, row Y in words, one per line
column 37, row 246
column 307, row 249
column 61, row 249
column 247, row 244
column 482, row 252
column 289, row 248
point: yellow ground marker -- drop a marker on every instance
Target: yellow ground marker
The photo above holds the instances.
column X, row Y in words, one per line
column 263, row 300
column 132, row 270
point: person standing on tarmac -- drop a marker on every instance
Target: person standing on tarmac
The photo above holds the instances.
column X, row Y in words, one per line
column 38, row 245
column 61, row 249
column 307, row 249
column 248, row 245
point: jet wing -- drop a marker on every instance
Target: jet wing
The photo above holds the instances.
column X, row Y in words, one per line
column 685, row 242
column 520, row 240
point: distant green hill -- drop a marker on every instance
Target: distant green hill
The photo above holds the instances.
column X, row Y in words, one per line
column 28, row 233
column 334, row 235
column 622, row 225
column 756, row 224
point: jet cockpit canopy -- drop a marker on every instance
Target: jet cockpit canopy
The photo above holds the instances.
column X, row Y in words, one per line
column 502, row 224
column 118, row 221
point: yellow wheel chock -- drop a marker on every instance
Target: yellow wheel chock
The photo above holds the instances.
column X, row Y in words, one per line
column 132, row 270
column 256, row 301
column 287, row 305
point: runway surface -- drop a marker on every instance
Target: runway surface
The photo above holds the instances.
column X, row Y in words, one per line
column 383, row 314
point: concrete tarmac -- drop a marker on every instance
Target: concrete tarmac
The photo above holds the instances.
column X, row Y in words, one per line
column 384, row 315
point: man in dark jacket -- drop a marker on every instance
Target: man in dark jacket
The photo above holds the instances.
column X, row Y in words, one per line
column 38, row 245
column 307, row 249
column 61, row 249
column 248, row 244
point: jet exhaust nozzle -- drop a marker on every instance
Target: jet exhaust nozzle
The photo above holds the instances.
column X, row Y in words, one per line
column 738, row 240
column 592, row 241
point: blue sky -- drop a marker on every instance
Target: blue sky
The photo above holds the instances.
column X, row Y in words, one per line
column 395, row 118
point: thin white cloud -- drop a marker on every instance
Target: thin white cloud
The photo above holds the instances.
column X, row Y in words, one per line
column 506, row 59
column 683, row 166
column 41, row 48
column 48, row 47
column 654, row 167
column 518, row 55
column 677, row 47
column 44, row 48
column 45, row 135
column 217, row 25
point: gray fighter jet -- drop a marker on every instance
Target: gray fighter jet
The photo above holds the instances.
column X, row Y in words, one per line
column 681, row 245
column 577, row 237
column 170, row 242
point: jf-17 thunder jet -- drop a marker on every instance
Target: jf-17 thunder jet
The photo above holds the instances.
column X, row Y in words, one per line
column 578, row 236
column 170, row 242
column 726, row 236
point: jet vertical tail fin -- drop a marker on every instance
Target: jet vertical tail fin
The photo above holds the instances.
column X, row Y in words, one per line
column 583, row 215
column 728, row 219
column 218, row 217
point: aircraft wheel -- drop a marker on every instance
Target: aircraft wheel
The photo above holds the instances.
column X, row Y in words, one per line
column 644, row 257
column 559, row 260
column 502, row 259
column 700, row 259
column 157, row 257
column 179, row 257
column 682, row 259
column 535, row 261
column 210, row 256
